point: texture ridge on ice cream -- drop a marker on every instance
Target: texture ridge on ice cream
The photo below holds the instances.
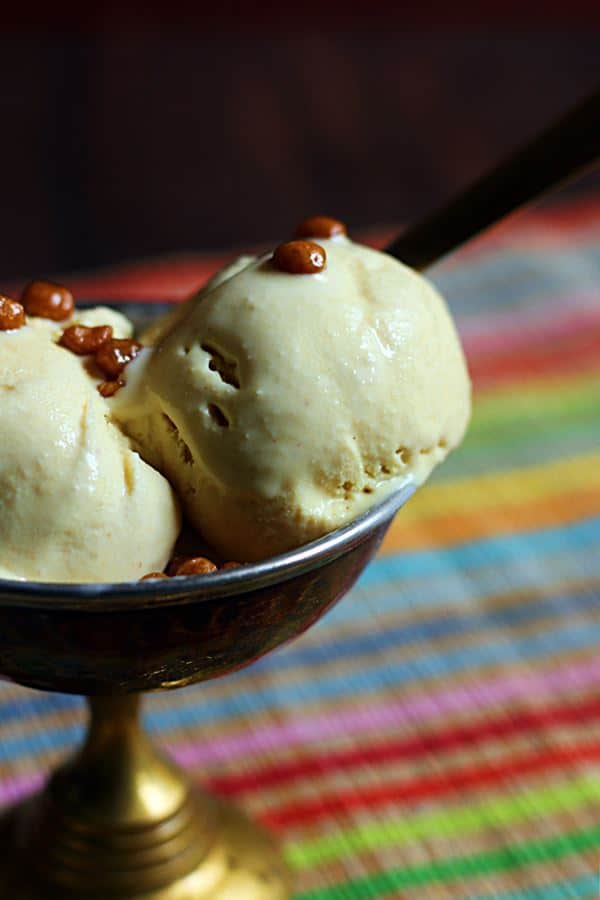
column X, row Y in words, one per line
column 280, row 406
column 77, row 504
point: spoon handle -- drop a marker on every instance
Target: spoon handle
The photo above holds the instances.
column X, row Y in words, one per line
column 556, row 154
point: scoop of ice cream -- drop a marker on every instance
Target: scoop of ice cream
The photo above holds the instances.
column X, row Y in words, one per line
column 76, row 502
column 282, row 405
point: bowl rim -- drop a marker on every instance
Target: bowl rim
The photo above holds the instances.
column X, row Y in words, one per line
column 100, row 597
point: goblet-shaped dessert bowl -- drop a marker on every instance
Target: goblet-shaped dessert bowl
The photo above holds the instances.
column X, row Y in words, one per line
column 118, row 820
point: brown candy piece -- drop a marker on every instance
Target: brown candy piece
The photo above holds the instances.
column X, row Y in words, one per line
column 114, row 355
column 195, row 565
column 109, row 388
column 85, row 341
column 153, row 576
column 300, row 257
column 320, row 227
column 174, row 563
column 48, row 300
column 12, row 314
column 230, row 565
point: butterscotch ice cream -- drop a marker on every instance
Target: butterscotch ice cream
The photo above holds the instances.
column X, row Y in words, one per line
column 298, row 391
column 287, row 396
column 76, row 502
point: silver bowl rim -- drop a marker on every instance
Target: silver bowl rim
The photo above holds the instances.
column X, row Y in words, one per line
column 99, row 597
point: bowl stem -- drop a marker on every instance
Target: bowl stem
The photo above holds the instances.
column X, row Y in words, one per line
column 120, row 820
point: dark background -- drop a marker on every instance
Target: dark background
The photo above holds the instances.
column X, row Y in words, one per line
column 129, row 135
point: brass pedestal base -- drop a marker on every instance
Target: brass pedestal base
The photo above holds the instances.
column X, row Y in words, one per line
column 120, row 822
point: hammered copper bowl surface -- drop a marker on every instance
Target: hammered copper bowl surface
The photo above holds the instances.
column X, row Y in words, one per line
column 106, row 639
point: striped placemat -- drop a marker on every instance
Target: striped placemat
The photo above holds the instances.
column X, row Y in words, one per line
column 438, row 733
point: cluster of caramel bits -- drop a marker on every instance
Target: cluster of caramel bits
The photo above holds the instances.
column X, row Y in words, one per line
column 305, row 257
column 110, row 354
column 185, row 566
column 43, row 299
column 47, row 300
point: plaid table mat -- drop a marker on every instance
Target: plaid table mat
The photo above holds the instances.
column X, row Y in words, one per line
column 438, row 733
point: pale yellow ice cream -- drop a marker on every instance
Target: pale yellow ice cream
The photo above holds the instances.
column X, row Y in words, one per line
column 281, row 406
column 76, row 502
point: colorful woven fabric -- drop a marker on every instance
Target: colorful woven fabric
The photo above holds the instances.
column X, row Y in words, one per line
column 438, row 733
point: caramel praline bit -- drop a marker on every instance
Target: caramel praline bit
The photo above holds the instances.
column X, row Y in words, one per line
column 48, row 300
column 231, row 565
column 320, row 227
column 12, row 314
column 113, row 356
column 197, row 565
column 153, row 576
column 83, row 340
column 109, row 388
column 300, row 258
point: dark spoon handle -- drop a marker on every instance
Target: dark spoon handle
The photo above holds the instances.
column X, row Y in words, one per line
column 561, row 151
